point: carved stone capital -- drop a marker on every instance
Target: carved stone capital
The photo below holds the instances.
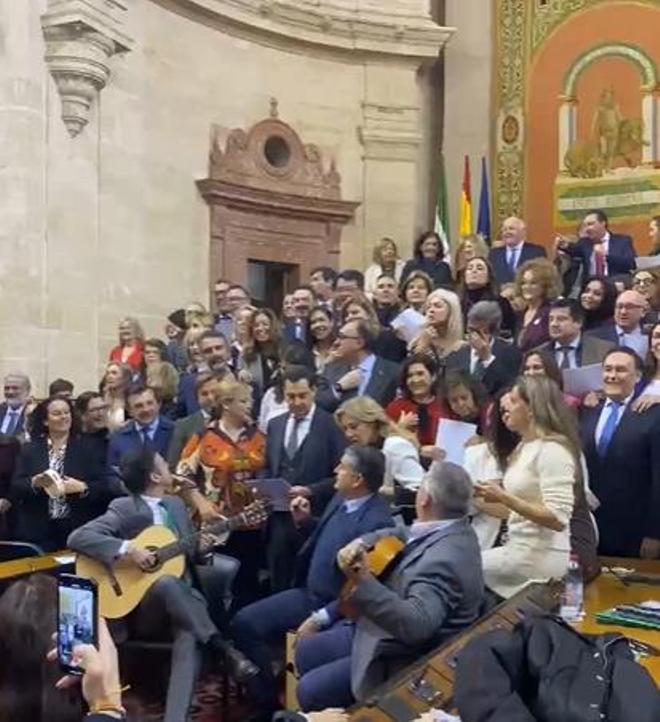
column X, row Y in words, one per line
column 390, row 132
column 81, row 36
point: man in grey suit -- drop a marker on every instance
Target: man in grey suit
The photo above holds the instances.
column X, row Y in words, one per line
column 570, row 347
column 357, row 370
column 171, row 603
column 206, row 386
column 434, row 590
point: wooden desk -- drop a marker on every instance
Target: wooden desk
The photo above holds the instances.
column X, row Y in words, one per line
column 21, row 567
column 607, row 591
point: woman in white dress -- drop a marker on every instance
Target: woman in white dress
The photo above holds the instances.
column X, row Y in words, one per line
column 537, row 490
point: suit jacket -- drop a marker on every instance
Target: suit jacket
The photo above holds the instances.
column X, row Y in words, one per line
column 609, row 333
column 620, row 257
column 434, row 591
column 439, row 271
column 372, row 515
column 382, row 385
column 320, row 454
column 497, row 257
column 20, row 429
column 127, row 439
column 626, row 481
column 184, row 430
column 592, row 350
column 499, row 373
column 81, row 461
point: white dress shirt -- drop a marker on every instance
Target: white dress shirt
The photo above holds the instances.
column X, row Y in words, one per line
column 513, row 254
column 635, row 340
column 572, row 354
column 303, row 427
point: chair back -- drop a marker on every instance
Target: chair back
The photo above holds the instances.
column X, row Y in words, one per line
column 10, row 550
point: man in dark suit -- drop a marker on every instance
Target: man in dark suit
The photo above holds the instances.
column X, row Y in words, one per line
column 622, row 448
column 626, row 328
column 357, row 370
column 356, row 509
column 146, row 427
column 434, row 590
column 12, row 412
column 170, row 604
column 186, row 428
column 303, row 302
column 516, row 250
column 303, row 446
column 600, row 252
column 570, row 348
column 493, row 361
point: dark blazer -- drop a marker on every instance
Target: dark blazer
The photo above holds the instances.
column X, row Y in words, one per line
column 626, row 481
column 127, row 439
column 497, row 257
column 500, row 372
column 620, row 257
column 321, row 451
column 382, row 385
column 20, row 425
column 372, row 515
column 33, row 524
column 289, row 331
column 187, row 402
column 439, row 271
column 592, row 350
column 184, row 430
column 609, row 333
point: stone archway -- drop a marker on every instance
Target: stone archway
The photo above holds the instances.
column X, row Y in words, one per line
column 272, row 201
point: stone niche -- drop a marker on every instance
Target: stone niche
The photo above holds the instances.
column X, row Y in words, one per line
column 273, row 201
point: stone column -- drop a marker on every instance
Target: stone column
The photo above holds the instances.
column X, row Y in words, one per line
column 651, row 120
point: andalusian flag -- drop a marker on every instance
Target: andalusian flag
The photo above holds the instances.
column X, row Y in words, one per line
column 465, row 227
column 442, row 209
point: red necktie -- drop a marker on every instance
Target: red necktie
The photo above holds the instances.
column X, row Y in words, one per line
column 599, row 264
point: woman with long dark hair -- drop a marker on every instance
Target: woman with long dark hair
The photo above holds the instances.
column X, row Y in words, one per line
column 261, row 351
column 59, row 478
column 321, row 333
column 598, row 298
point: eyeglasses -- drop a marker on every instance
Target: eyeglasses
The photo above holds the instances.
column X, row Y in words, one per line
column 643, row 282
column 343, row 337
column 627, row 306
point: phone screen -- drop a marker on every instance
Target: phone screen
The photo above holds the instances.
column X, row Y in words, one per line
column 77, row 617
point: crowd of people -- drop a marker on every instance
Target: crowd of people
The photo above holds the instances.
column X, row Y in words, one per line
column 346, row 394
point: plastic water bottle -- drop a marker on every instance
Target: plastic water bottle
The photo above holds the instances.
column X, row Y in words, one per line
column 572, row 601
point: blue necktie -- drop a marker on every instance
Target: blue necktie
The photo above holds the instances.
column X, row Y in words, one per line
column 609, row 428
column 512, row 260
column 13, row 422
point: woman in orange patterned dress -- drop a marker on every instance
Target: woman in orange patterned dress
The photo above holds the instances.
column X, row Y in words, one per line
column 221, row 460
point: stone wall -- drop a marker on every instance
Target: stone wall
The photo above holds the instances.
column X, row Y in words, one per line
column 110, row 222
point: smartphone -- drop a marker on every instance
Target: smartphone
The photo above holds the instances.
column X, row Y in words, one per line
column 77, row 618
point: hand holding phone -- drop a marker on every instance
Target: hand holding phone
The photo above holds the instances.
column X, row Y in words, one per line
column 77, row 618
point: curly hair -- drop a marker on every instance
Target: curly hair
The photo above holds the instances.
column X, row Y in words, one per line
column 359, row 299
column 271, row 348
column 37, row 423
column 545, row 273
column 417, row 247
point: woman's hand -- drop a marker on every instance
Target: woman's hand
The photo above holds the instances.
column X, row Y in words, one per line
column 409, row 419
column 73, row 486
column 645, row 402
column 592, row 399
column 205, row 509
column 490, row 492
column 100, row 681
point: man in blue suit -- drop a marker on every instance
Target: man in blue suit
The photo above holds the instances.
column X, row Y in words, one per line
column 600, row 252
column 516, row 250
column 356, row 509
column 146, row 427
column 304, row 447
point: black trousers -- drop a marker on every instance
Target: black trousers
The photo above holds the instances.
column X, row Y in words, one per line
column 284, row 541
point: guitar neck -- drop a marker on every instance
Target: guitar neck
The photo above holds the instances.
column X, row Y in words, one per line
column 180, row 546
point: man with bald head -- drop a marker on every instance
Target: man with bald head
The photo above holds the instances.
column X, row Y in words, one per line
column 626, row 328
column 516, row 250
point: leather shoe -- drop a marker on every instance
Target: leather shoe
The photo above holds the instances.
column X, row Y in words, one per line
column 238, row 665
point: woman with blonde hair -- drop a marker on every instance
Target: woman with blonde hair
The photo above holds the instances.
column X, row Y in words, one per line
column 114, row 386
column 385, row 260
column 130, row 349
column 164, row 379
column 442, row 332
column 221, row 461
column 364, row 422
column 542, row 484
column 538, row 284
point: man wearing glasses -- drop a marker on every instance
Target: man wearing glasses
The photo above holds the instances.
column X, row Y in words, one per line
column 626, row 330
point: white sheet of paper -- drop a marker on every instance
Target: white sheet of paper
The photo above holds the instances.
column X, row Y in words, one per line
column 646, row 262
column 579, row 382
column 408, row 322
column 452, row 437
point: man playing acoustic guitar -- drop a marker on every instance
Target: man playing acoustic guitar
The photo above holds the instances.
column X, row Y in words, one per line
column 171, row 603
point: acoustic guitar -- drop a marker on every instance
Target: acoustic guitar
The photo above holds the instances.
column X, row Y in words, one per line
column 379, row 558
column 122, row 587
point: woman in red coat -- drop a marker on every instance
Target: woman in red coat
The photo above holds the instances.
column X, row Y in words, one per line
column 130, row 350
